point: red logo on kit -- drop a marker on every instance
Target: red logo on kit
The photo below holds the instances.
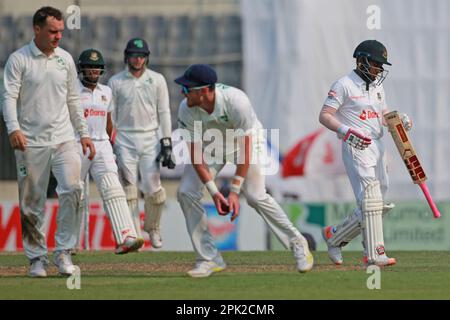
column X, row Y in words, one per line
column 368, row 114
column 331, row 93
column 95, row 113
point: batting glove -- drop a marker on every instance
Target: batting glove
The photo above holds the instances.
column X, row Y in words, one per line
column 406, row 121
column 354, row 138
column 165, row 155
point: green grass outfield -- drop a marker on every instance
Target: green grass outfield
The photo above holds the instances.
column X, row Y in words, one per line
column 250, row 275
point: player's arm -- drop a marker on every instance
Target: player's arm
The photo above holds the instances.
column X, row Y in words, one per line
column 12, row 84
column 206, row 177
column 245, row 148
column 76, row 112
column 109, row 125
column 351, row 136
column 328, row 118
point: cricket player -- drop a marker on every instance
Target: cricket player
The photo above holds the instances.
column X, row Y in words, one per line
column 96, row 104
column 354, row 109
column 140, row 103
column 209, row 108
column 41, row 111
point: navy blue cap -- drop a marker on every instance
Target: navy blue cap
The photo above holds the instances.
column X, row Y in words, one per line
column 197, row 75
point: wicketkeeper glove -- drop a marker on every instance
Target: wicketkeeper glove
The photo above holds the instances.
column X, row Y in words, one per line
column 165, row 155
column 354, row 138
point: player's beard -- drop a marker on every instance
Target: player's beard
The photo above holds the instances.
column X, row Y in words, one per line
column 133, row 68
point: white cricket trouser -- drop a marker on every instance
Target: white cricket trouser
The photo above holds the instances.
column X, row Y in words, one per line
column 33, row 174
column 136, row 154
column 102, row 163
column 190, row 193
column 365, row 166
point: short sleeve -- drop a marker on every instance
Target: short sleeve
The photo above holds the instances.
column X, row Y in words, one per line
column 186, row 123
column 336, row 95
column 110, row 103
column 241, row 113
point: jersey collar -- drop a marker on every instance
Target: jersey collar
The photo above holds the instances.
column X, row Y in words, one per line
column 141, row 78
column 359, row 81
column 83, row 88
column 37, row 52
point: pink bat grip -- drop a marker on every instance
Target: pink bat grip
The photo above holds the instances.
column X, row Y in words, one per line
column 431, row 203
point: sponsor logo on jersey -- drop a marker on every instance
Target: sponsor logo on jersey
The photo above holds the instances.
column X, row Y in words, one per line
column 379, row 96
column 369, row 114
column 104, row 98
column 94, row 113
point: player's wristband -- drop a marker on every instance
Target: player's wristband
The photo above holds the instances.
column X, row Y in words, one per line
column 236, row 188
column 211, row 187
column 342, row 131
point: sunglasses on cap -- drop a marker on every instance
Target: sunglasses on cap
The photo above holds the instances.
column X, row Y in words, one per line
column 186, row 90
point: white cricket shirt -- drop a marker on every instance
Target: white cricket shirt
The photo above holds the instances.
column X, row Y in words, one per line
column 140, row 104
column 42, row 96
column 96, row 105
column 232, row 110
column 357, row 107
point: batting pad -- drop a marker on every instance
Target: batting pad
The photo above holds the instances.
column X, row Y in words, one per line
column 153, row 209
column 346, row 231
column 116, row 207
column 372, row 209
column 131, row 193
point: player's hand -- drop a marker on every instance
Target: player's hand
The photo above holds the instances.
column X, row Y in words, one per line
column 17, row 140
column 233, row 201
column 87, row 143
column 406, row 121
column 165, row 155
column 354, row 138
column 221, row 204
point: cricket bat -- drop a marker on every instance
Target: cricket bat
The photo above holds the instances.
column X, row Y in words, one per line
column 409, row 156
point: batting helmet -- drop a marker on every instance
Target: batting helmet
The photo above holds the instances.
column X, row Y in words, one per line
column 372, row 50
column 90, row 59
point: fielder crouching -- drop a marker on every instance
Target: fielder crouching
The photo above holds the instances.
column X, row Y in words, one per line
column 218, row 108
column 354, row 109
column 96, row 104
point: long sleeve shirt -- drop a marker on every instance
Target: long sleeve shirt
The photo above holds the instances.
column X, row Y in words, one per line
column 42, row 96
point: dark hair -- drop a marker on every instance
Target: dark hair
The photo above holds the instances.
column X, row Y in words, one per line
column 40, row 17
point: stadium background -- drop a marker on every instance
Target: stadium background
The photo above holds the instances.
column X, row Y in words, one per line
column 285, row 54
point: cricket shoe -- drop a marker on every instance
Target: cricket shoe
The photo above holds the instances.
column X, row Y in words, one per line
column 382, row 261
column 205, row 269
column 155, row 238
column 63, row 260
column 38, row 267
column 303, row 257
column 335, row 253
column 131, row 244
